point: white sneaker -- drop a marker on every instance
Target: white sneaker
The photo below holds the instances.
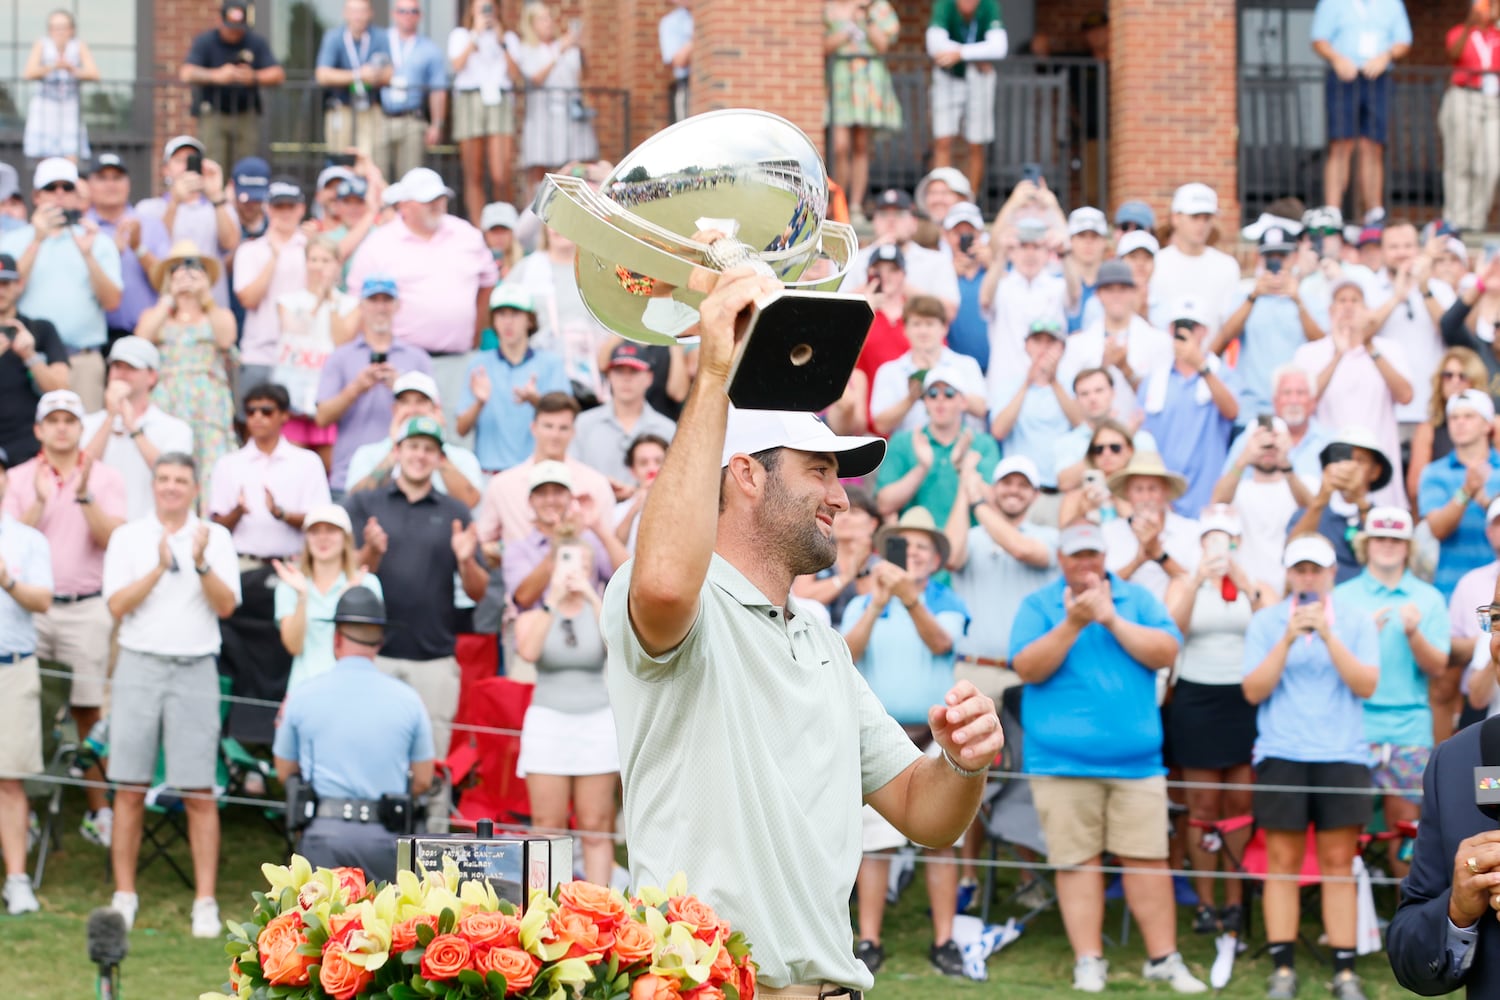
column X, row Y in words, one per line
column 1174, row 971
column 206, row 918
column 98, row 827
column 18, row 895
column 1089, row 974
column 126, row 904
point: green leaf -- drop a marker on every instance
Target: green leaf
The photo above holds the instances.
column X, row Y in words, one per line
column 313, row 922
column 730, row 993
column 425, row 934
column 447, row 921
column 412, row 956
column 470, row 978
column 400, row 991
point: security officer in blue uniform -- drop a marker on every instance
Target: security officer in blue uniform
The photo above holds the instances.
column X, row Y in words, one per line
column 360, row 742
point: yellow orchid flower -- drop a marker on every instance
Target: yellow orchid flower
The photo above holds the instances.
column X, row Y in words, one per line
column 293, row 876
column 684, row 956
column 574, row 972
column 480, row 894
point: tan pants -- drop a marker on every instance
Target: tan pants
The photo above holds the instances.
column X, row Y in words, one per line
column 436, row 683
column 86, row 376
column 1470, row 124
column 402, row 142
column 227, row 139
column 345, row 128
column 77, row 636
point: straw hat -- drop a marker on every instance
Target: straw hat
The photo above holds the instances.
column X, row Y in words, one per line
column 184, row 250
column 1147, row 463
column 915, row 519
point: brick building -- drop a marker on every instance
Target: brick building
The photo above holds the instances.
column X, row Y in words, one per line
column 1184, row 96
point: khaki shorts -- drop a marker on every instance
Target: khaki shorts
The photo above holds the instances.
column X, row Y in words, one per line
column 474, row 119
column 164, row 705
column 1084, row 817
column 76, row 636
column 20, row 719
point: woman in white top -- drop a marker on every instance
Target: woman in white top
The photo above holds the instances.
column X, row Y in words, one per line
column 54, row 119
column 309, row 589
column 313, row 321
column 1210, row 726
column 481, row 53
column 558, row 128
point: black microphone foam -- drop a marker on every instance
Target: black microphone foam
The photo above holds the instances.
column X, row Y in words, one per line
column 1489, row 742
column 108, row 939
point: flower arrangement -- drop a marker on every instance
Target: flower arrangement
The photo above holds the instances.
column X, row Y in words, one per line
column 326, row 933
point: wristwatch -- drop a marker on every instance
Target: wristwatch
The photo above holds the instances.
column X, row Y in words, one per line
column 1376, row 355
column 36, row 360
column 86, row 499
column 137, row 432
column 1161, row 560
column 201, row 570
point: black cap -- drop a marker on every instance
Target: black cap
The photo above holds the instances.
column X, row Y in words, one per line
column 889, row 252
column 893, row 198
column 360, row 606
column 235, row 13
column 110, row 161
column 8, row 271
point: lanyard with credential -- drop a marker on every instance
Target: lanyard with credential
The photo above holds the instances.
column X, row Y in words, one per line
column 400, row 52
column 357, row 57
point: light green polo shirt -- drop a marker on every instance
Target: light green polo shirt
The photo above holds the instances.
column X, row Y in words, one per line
column 746, row 753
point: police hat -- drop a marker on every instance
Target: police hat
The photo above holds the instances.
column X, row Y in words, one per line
column 360, row 606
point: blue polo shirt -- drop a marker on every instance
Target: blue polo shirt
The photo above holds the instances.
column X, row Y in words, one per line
column 1273, row 332
column 970, row 331
column 1191, row 436
column 1304, row 456
column 905, row 675
column 418, row 68
column 1038, row 426
column 338, row 50
column 1096, row 716
column 58, row 289
column 502, row 436
column 1361, row 29
column 1398, row 711
column 1312, row 716
column 1468, row 547
column 353, row 731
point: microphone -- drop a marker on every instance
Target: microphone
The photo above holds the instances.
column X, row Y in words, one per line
column 1487, row 775
column 109, row 942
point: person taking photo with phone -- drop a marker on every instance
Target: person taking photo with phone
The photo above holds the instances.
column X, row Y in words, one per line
column 33, row 361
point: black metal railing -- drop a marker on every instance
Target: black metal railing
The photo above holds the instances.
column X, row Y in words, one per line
column 1053, row 112
column 1284, row 129
column 122, row 117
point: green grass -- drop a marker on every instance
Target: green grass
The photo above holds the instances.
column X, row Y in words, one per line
column 43, row 955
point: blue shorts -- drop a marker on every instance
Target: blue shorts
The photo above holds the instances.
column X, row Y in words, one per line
column 1359, row 109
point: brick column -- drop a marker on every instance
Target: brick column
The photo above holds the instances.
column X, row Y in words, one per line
column 176, row 22
column 621, row 52
column 1173, row 102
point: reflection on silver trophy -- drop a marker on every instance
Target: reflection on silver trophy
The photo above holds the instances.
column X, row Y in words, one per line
column 713, row 192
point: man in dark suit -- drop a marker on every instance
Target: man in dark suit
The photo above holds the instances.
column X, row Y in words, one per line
column 1446, row 933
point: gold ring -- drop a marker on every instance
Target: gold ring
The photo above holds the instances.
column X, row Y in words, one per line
column 1473, row 865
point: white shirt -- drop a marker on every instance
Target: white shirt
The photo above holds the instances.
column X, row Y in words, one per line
column 1411, row 326
column 1266, row 510
column 175, row 618
column 486, row 69
column 1179, row 539
column 1147, row 350
column 1208, row 278
column 892, row 378
column 164, row 431
column 1018, row 301
column 928, row 272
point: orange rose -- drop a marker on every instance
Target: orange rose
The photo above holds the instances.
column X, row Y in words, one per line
column 350, row 881
column 633, row 943
column 518, row 967
column 484, row 929
column 339, row 977
column 723, row 967
column 585, row 938
column 280, row 961
column 704, row 992
column 446, row 957
column 599, row 903
column 651, row 987
column 692, row 910
column 404, row 934
column 747, row 974
column 341, row 925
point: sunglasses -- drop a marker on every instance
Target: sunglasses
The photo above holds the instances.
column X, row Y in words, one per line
column 261, row 411
column 570, row 637
column 1457, row 376
column 1130, row 227
column 946, row 391
column 1489, row 617
column 1114, row 448
column 56, row 186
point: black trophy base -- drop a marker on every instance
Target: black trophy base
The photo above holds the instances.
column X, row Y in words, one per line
column 799, row 350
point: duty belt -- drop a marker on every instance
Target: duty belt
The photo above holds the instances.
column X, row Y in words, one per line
column 353, row 810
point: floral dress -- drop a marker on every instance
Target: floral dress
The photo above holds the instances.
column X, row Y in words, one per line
column 194, row 386
column 861, row 91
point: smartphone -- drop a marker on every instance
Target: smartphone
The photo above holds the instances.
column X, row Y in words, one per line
column 1338, row 451
column 1306, row 597
column 1275, row 263
column 1215, row 545
column 567, row 558
column 1031, row 172
column 378, row 357
column 195, row 163
column 966, row 242
column 72, row 216
column 873, row 279
column 9, row 330
column 1316, row 241
column 1267, row 421
column 895, row 551
column 341, row 159
column 1093, row 479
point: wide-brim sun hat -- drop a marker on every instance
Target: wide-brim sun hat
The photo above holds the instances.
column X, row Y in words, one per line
column 915, row 519
column 1148, row 464
column 184, row 250
column 1362, row 437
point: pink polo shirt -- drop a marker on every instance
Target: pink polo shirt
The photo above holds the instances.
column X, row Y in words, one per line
column 505, row 510
column 77, row 563
column 439, row 279
column 262, row 330
column 296, row 479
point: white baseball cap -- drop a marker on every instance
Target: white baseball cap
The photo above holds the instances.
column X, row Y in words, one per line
column 177, row 142
column 498, row 213
column 1195, row 199
column 394, row 194
column 330, row 174
column 137, row 352
column 752, row 431
column 945, row 374
column 425, row 185
column 52, row 170
column 1137, row 239
column 1471, row 399
column 1018, row 465
column 417, row 382
column 951, row 176
column 1493, row 511
column 550, row 471
column 964, row 211
column 1087, row 220
column 1220, row 517
column 1309, row 548
column 1388, row 522
column 1191, row 309
column 329, row 513
column 65, row 400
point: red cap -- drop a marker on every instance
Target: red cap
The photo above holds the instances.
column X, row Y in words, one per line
column 628, row 356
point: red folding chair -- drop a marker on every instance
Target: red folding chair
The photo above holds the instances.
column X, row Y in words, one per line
column 482, row 765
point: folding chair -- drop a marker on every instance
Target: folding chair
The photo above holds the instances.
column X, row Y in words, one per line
column 482, row 765
column 1010, row 820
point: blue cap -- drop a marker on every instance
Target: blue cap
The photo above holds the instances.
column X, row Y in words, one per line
column 1137, row 212
column 379, row 284
column 353, row 187
column 252, row 179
